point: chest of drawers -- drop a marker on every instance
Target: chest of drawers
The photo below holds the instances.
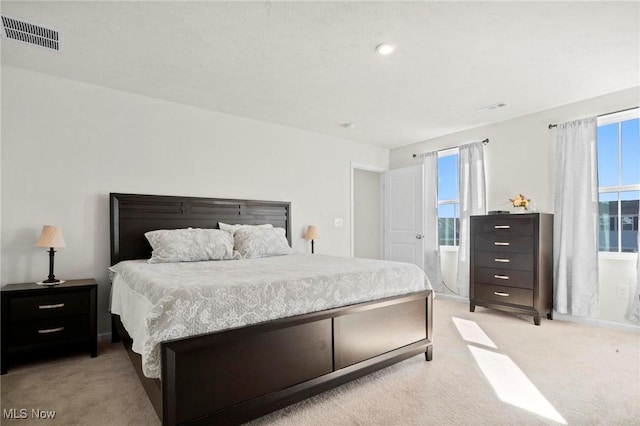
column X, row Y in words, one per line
column 511, row 261
column 39, row 318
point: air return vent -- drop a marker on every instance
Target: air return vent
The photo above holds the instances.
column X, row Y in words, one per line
column 31, row 33
column 492, row 106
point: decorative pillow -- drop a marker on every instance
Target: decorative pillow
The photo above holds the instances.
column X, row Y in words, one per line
column 254, row 242
column 189, row 245
column 234, row 228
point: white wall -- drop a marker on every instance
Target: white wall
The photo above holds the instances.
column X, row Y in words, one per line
column 519, row 159
column 66, row 145
column 367, row 215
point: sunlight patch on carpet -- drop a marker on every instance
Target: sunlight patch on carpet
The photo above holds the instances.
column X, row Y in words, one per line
column 471, row 332
column 512, row 385
column 509, row 382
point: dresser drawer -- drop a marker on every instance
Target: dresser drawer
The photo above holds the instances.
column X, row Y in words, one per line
column 503, row 294
column 508, row 226
column 503, row 243
column 48, row 331
column 63, row 304
column 504, row 277
column 504, row 260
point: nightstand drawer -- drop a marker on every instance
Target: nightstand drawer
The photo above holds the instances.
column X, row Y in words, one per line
column 504, row 243
column 504, row 277
column 48, row 331
column 504, row 260
column 508, row 226
column 64, row 304
column 502, row 294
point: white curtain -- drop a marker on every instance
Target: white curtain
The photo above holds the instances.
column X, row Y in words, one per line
column 634, row 313
column 472, row 202
column 575, row 241
column 431, row 241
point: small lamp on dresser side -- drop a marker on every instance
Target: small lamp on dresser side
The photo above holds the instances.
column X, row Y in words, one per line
column 51, row 237
column 312, row 234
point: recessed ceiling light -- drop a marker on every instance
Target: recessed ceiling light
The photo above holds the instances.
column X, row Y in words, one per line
column 385, row 48
column 348, row 125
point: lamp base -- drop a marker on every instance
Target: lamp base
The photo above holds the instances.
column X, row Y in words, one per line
column 50, row 283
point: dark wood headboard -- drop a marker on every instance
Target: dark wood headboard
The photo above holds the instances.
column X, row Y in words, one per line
column 132, row 215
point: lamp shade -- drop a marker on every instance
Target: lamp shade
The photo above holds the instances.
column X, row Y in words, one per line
column 312, row 233
column 51, row 237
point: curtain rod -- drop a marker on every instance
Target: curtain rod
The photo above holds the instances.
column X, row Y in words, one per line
column 486, row 141
column 551, row 126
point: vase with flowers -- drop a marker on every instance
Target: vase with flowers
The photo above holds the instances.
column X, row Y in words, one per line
column 520, row 203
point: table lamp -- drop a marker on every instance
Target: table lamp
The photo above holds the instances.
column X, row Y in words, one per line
column 51, row 237
column 312, row 234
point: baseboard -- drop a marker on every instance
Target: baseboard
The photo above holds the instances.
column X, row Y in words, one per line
column 561, row 317
column 450, row 296
column 596, row 322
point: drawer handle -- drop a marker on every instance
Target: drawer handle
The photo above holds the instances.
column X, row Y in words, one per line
column 500, row 293
column 502, row 227
column 497, row 243
column 56, row 306
column 50, row 330
column 501, row 277
column 502, row 260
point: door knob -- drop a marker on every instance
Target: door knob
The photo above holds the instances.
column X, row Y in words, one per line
column 419, row 237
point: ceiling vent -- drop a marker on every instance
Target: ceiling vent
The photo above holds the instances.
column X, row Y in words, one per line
column 31, row 33
column 492, row 106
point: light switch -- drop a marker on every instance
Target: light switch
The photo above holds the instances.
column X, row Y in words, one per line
column 337, row 222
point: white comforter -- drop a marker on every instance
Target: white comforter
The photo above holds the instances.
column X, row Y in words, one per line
column 158, row 302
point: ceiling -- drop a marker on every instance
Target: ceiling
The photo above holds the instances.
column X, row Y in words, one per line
column 313, row 65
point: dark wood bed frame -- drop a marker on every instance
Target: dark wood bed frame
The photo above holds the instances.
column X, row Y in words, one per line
column 235, row 375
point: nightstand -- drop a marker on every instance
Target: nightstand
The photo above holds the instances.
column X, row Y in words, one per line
column 38, row 318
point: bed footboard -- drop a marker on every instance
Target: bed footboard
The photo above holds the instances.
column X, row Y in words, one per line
column 232, row 376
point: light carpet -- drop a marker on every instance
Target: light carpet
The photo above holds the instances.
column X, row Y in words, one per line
column 560, row 372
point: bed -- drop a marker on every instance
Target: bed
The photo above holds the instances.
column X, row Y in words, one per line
column 232, row 375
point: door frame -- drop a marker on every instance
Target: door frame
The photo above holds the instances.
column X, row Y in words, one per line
column 368, row 168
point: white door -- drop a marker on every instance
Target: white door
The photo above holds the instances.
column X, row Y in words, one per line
column 404, row 215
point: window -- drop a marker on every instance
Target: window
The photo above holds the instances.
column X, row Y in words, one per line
column 619, row 181
column 448, row 198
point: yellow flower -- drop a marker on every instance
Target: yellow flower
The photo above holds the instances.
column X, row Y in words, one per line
column 520, row 201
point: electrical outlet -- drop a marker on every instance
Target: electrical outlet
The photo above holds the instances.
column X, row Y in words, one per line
column 337, row 223
column 622, row 291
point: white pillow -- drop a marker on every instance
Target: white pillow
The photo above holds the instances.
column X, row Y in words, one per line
column 234, row 228
column 189, row 245
column 254, row 242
